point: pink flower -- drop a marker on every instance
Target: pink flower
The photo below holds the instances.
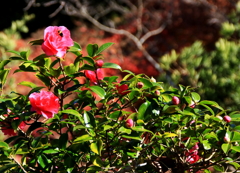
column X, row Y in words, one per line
column 44, row 103
column 122, row 89
column 99, row 63
column 129, row 123
column 175, row 100
column 56, row 41
column 192, row 155
column 227, row 118
column 94, row 75
column 226, row 138
column 140, row 84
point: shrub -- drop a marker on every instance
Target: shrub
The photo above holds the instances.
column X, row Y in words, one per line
column 110, row 125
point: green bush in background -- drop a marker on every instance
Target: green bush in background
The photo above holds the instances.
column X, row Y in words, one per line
column 215, row 74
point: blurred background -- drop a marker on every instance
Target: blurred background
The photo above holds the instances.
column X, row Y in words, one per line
column 188, row 42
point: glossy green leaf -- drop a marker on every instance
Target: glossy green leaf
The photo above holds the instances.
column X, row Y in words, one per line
column 236, row 148
column 99, row 91
column 89, row 60
column 124, row 130
column 51, row 151
column 111, row 65
column 3, row 145
column 135, row 137
column 28, row 84
column 235, row 137
column 144, row 111
column 96, row 147
column 89, row 119
column 3, row 76
column 195, row 96
column 147, row 83
column 15, row 52
column 3, row 63
column 212, row 103
column 226, row 147
column 219, row 168
column 92, row 49
column 43, row 161
column 168, row 134
column 206, row 145
column 103, row 47
column 70, row 69
column 83, row 138
column 72, row 112
column 37, row 42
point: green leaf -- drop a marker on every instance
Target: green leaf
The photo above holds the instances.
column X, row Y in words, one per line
column 37, row 42
column 99, row 91
column 219, row 168
column 141, row 129
column 28, row 84
column 236, row 165
column 92, row 49
column 235, row 137
column 144, row 110
column 103, row 47
column 167, row 135
column 208, row 108
column 72, row 112
column 195, row 96
column 70, row 69
column 15, row 52
column 3, row 76
column 83, row 138
column 135, row 137
column 43, row 161
column 51, row 151
column 147, row 83
column 3, row 145
column 212, row 103
column 25, row 54
column 76, row 49
column 89, row 119
column 89, row 60
column 17, row 58
column 236, row 148
column 96, row 147
column 63, row 140
column 206, row 145
column 226, row 147
column 235, row 117
column 44, row 79
column 124, row 130
column 111, row 65
column 3, row 63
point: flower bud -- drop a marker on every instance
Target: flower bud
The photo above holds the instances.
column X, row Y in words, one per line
column 129, row 123
column 226, row 138
column 140, row 84
column 153, row 79
column 219, row 117
column 99, row 63
column 157, row 92
column 227, row 119
column 192, row 105
column 175, row 100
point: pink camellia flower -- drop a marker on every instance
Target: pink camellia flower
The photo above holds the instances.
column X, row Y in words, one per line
column 175, row 100
column 129, row 123
column 56, row 41
column 122, row 89
column 227, row 118
column 44, row 103
column 99, row 63
column 192, row 154
column 94, row 75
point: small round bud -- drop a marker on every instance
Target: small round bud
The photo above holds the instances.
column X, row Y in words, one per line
column 140, row 84
column 175, row 100
column 227, row 119
column 219, row 117
column 153, row 79
column 129, row 123
column 99, row 63
column 157, row 92
column 192, row 105
column 226, row 138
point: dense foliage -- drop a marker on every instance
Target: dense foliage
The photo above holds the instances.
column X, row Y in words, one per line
column 128, row 125
column 215, row 72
